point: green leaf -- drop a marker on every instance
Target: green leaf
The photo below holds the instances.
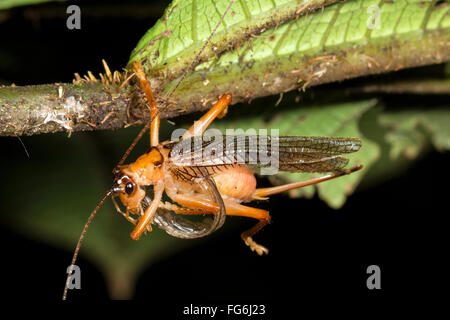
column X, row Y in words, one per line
column 403, row 137
column 190, row 22
column 321, row 47
column 436, row 123
column 410, row 131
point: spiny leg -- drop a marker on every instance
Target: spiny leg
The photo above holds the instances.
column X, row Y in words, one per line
column 154, row 126
column 236, row 209
column 232, row 209
column 216, row 111
column 261, row 193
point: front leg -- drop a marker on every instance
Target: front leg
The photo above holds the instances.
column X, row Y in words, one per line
column 146, row 218
column 127, row 216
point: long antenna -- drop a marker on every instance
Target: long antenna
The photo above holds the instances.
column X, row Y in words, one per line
column 80, row 241
column 183, row 76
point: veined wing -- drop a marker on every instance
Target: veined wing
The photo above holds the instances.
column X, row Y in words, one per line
column 289, row 153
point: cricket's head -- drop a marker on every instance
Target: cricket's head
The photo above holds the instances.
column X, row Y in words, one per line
column 129, row 180
column 127, row 189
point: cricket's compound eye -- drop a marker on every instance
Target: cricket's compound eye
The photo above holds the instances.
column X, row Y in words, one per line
column 129, row 188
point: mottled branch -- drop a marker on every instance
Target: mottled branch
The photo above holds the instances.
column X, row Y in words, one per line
column 62, row 107
column 268, row 63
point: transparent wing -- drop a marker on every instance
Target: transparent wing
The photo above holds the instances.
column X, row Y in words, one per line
column 181, row 227
column 292, row 153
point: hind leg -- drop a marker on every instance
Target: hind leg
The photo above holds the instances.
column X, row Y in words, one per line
column 233, row 209
column 262, row 193
column 237, row 209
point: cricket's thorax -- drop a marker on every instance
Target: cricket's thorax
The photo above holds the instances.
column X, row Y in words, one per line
column 147, row 169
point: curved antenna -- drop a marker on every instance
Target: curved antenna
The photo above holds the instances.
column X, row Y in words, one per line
column 80, row 241
column 183, row 76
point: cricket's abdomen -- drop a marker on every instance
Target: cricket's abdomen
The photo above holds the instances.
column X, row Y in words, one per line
column 235, row 181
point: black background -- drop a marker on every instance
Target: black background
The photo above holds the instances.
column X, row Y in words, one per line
column 316, row 253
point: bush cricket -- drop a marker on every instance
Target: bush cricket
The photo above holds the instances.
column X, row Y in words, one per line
column 217, row 183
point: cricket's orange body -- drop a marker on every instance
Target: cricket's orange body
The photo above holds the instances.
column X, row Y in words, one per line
column 235, row 183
